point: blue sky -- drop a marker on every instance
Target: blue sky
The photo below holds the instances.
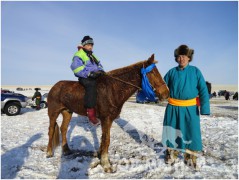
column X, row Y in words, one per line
column 40, row 38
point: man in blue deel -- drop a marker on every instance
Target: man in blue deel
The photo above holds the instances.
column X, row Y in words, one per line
column 181, row 131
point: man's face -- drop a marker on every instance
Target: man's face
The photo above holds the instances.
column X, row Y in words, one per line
column 183, row 60
column 88, row 47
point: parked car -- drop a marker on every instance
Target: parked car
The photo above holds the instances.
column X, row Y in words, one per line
column 6, row 91
column 140, row 98
column 20, row 89
column 11, row 103
column 44, row 100
column 222, row 93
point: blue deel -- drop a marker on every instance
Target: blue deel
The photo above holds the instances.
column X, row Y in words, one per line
column 181, row 126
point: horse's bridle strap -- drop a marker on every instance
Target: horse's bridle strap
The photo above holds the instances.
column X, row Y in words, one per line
column 123, row 81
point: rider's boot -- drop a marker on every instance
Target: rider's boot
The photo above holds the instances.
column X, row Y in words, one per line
column 91, row 113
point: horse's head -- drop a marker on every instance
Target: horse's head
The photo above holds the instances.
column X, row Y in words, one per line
column 156, row 80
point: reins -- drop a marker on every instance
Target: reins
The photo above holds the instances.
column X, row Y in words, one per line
column 123, row 81
column 164, row 84
column 118, row 79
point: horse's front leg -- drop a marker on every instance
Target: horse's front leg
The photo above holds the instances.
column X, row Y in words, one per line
column 105, row 142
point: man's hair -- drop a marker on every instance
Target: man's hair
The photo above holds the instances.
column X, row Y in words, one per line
column 184, row 50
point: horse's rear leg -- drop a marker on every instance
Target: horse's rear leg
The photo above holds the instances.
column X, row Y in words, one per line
column 105, row 142
column 66, row 120
column 53, row 134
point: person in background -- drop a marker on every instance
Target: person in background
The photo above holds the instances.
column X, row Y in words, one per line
column 37, row 97
column 214, row 94
column 209, row 87
column 88, row 68
column 235, row 96
column 181, row 119
column 227, row 95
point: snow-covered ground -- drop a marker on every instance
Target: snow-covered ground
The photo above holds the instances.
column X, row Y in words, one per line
column 135, row 150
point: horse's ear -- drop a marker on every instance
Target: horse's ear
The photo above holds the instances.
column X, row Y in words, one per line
column 151, row 60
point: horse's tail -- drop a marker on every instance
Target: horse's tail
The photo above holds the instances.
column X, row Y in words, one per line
column 56, row 137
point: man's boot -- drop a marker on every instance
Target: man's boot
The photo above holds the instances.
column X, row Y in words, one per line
column 92, row 116
column 170, row 156
column 191, row 160
column 38, row 107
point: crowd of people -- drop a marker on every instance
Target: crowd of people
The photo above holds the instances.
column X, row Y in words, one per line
column 226, row 94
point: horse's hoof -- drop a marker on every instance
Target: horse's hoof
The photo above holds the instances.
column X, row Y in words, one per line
column 110, row 169
column 66, row 150
column 66, row 153
column 49, row 155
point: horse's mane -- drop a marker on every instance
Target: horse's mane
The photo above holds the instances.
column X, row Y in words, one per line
column 123, row 70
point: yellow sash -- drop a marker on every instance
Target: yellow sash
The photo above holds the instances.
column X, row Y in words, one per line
column 179, row 102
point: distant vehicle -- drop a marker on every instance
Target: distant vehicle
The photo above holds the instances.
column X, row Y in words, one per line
column 221, row 92
column 140, row 98
column 20, row 89
column 11, row 103
column 43, row 103
column 6, row 91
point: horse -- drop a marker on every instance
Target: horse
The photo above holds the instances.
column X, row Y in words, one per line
column 113, row 90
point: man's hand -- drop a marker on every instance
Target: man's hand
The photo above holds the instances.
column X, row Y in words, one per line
column 102, row 72
column 95, row 75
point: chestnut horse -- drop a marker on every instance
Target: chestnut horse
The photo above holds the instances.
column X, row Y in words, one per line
column 66, row 97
